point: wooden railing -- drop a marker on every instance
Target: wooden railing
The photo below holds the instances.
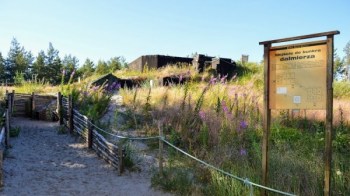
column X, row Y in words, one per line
column 5, row 133
column 80, row 124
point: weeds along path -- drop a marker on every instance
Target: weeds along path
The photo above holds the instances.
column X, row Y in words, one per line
column 43, row 162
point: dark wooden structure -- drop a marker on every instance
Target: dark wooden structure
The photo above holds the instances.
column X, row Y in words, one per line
column 109, row 79
column 201, row 62
column 223, row 66
column 157, row 61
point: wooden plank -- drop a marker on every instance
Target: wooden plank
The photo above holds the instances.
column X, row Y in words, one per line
column 7, row 128
column 329, row 118
column 70, row 114
column 102, row 154
column 267, row 119
column 1, row 169
column 329, row 33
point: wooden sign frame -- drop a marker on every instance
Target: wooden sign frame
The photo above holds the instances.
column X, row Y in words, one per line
column 329, row 105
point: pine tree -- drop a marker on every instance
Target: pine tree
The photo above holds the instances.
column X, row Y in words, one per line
column 2, row 69
column 87, row 69
column 53, row 65
column 102, row 67
column 70, row 64
column 18, row 61
column 39, row 66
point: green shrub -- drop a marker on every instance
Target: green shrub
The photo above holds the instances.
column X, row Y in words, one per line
column 341, row 89
column 176, row 180
column 14, row 131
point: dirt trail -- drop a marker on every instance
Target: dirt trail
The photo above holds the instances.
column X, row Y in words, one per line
column 43, row 162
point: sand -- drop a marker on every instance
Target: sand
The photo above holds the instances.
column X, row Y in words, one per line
column 43, row 162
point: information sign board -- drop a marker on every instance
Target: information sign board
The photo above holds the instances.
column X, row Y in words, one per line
column 298, row 75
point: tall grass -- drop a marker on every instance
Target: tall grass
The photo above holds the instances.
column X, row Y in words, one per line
column 220, row 122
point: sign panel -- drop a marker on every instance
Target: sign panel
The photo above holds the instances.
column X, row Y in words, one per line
column 298, row 75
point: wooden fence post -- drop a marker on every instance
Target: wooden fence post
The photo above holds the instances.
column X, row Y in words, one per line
column 7, row 99
column 59, row 108
column 1, row 170
column 160, row 149
column 13, row 101
column 32, row 105
column 121, row 158
column 89, row 134
column 70, row 113
column 7, row 129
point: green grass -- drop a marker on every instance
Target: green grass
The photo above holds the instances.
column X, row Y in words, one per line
column 341, row 89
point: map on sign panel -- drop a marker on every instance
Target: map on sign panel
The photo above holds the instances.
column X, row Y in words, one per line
column 298, row 76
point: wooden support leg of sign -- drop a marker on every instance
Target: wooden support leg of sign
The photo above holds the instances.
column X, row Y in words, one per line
column 329, row 119
column 267, row 120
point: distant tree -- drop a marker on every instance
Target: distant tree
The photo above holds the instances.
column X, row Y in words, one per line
column 39, row 66
column 53, row 65
column 116, row 63
column 18, row 60
column 87, row 69
column 2, row 69
column 347, row 60
column 339, row 67
column 102, row 67
column 70, row 64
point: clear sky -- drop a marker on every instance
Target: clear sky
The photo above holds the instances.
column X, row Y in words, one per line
column 131, row 28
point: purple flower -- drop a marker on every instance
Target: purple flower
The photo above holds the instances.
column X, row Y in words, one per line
column 212, row 80
column 223, row 79
column 95, row 88
column 202, row 115
column 63, row 72
column 243, row 152
column 243, row 125
column 180, row 78
column 224, row 106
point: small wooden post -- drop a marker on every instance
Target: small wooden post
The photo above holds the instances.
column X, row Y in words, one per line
column 9, row 101
column 89, row 134
column 32, row 105
column 1, row 170
column 121, row 158
column 59, row 108
column 7, row 129
column 13, row 101
column 160, row 149
column 70, row 113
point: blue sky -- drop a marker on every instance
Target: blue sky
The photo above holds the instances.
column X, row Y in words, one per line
column 130, row 28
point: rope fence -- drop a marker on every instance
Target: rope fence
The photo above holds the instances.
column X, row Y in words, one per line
column 112, row 153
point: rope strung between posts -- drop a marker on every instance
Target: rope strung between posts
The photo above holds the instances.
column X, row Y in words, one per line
column 111, row 134
column 245, row 181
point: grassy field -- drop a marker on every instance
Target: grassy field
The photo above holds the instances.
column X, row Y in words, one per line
column 220, row 121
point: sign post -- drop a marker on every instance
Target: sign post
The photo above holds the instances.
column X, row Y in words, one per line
column 299, row 76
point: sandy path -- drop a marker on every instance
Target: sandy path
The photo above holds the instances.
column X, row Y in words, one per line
column 43, row 162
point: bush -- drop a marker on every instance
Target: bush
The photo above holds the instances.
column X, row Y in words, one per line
column 14, row 131
column 342, row 90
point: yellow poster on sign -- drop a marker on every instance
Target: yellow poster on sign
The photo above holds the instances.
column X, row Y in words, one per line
column 298, row 76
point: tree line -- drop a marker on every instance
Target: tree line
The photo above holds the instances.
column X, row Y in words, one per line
column 48, row 66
